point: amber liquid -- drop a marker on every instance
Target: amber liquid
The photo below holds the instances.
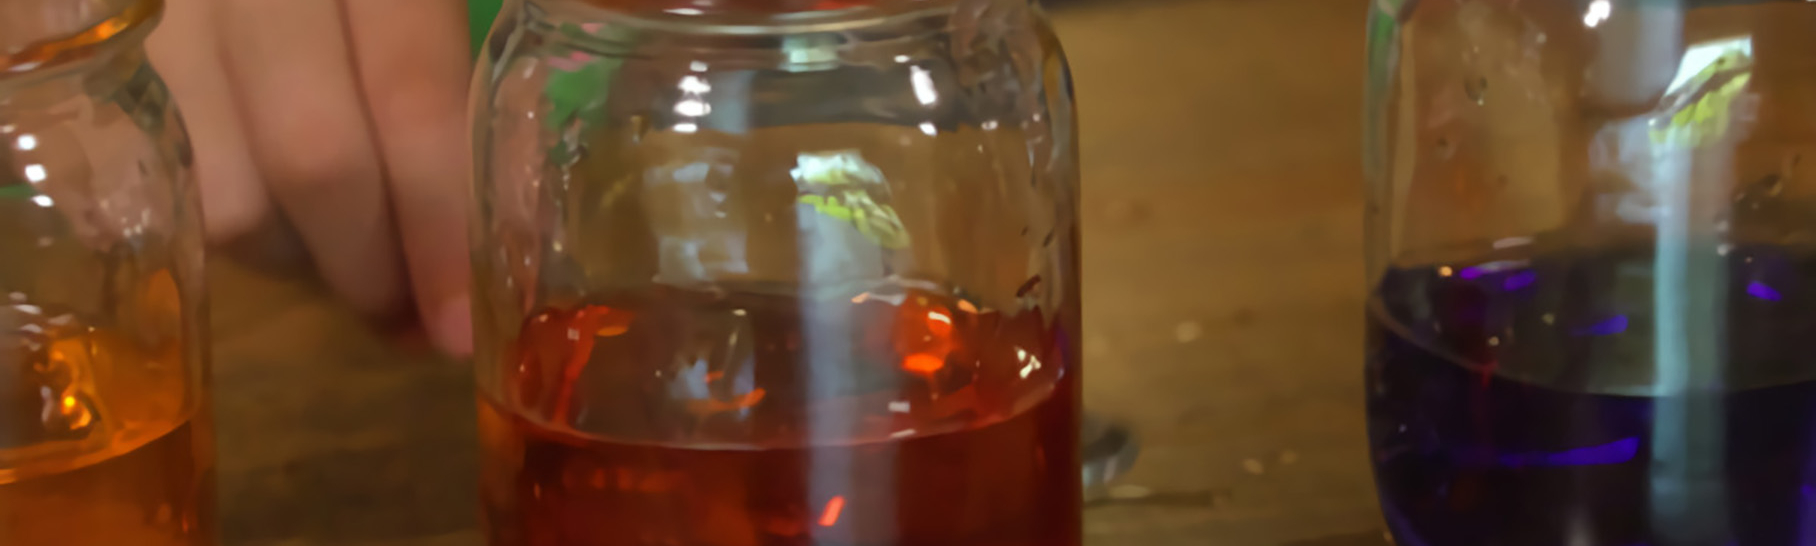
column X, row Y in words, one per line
column 901, row 417
column 101, row 440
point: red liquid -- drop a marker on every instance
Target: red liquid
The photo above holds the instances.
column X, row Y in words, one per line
column 686, row 419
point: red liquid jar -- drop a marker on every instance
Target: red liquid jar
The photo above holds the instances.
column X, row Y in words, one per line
column 777, row 273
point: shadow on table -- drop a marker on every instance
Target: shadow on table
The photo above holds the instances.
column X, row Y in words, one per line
column 1367, row 538
column 329, row 432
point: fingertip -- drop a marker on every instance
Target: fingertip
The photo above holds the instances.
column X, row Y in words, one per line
column 229, row 214
column 451, row 326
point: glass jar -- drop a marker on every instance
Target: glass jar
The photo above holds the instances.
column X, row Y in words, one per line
column 1592, row 244
column 104, row 427
column 777, row 273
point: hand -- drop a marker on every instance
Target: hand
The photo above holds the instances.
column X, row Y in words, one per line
column 350, row 117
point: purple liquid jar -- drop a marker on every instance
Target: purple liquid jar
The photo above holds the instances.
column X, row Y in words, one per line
column 1592, row 256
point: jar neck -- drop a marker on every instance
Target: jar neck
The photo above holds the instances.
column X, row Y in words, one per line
column 614, row 23
column 743, row 7
column 760, row 16
column 39, row 34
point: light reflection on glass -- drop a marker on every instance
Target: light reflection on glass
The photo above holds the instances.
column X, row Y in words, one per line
column 1519, row 280
column 923, row 86
column 1609, row 326
column 1616, row 452
column 1760, row 290
column 1709, row 83
column 1598, row 11
column 692, row 108
column 1511, row 242
column 1477, row 271
column 830, row 516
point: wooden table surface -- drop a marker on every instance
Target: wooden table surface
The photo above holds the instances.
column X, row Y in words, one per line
column 1224, row 304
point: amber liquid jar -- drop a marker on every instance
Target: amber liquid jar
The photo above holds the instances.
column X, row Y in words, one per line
column 104, row 427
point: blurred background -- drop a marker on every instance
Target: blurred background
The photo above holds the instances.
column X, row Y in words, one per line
column 1224, row 290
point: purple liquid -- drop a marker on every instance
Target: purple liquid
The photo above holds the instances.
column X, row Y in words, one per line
column 1515, row 402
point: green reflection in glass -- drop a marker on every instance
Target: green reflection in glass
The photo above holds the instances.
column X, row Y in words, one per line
column 1711, row 92
column 838, row 185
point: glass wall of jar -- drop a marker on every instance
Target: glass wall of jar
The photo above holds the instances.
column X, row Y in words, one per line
column 777, row 273
column 104, row 434
column 1592, row 245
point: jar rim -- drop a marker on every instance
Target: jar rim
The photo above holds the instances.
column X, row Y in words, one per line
column 132, row 19
column 745, row 23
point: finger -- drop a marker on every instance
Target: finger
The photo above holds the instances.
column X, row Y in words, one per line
column 287, row 61
column 415, row 85
column 187, row 53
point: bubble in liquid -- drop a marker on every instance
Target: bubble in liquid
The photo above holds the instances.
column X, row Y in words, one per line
column 66, row 409
column 45, row 360
column 1476, row 89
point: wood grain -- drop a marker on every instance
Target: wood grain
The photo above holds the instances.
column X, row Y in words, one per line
column 1223, row 264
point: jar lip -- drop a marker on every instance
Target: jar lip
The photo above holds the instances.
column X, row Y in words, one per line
column 749, row 23
column 132, row 20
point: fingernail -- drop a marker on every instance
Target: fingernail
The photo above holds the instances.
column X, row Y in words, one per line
column 453, row 326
